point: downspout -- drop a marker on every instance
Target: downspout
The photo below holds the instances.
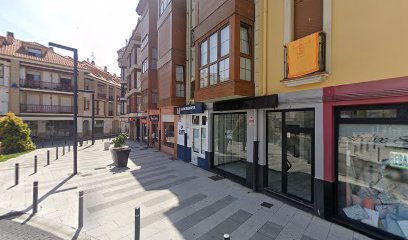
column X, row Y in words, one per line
column 264, row 48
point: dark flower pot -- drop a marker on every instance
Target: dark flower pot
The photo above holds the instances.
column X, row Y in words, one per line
column 120, row 156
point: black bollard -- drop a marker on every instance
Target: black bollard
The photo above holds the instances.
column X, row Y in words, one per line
column 56, row 152
column 81, row 209
column 35, row 164
column 48, row 157
column 16, row 175
column 35, row 197
column 137, row 223
column 63, row 150
column 69, row 148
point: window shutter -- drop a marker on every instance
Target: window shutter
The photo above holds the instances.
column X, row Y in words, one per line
column 308, row 17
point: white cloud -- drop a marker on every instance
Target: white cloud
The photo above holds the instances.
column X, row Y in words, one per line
column 98, row 26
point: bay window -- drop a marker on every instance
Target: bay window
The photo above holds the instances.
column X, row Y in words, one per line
column 180, row 92
column 245, row 53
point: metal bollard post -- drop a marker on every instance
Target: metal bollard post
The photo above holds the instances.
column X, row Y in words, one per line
column 48, row 157
column 81, row 209
column 227, row 237
column 63, row 150
column 35, row 197
column 56, row 152
column 35, row 164
column 16, row 175
column 137, row 223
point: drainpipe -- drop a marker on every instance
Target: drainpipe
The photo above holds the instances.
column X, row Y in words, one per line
column 264, row 47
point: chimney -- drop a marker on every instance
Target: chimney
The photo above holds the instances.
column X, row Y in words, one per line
column 93, row 62
column 10, row 38
column 105, row 68
column 51, row 48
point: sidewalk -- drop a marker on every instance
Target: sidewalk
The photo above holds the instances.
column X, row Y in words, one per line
column 177, row 200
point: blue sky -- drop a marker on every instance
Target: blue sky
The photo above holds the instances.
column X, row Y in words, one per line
column 92, row 26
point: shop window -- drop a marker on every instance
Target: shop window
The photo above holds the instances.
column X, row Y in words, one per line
column 196, row 120
column 203, row 140
column 204, row 120
column 169, row 134
column 372, row 168
column 230, row 143
column 299, row 119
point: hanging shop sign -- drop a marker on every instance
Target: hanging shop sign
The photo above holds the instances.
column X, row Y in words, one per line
column 191, row 109
column 154, row 118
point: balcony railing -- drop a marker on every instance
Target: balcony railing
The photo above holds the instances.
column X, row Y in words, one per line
column 66, row 87
column 36, row 108
column 102, row 95
column 321, row 56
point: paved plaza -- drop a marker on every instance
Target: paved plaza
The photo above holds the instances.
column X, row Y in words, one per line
column 178, row 201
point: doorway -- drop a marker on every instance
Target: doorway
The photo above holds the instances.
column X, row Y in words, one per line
column 290, row 153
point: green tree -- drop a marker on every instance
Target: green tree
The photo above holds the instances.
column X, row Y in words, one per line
column 15, row 134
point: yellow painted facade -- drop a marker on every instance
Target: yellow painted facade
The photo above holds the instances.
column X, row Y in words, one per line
column 368, row 42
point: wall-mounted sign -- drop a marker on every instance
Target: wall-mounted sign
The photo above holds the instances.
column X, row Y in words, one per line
column 154, row 118
column 191, row 109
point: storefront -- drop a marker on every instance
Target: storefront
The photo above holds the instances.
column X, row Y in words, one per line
column 193, row 130
column 368, row 163
column 235, row 138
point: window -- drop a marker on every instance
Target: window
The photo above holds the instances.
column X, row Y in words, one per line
column 154, row 58
column 180, row 90
column 180, row 73
column 204, row 78
column 224, row 70
column 245, row 69
column 163, row 5
column 33, row 76
column 87, row 103
column 372, row 158
column 204, row 52
column 34, row 52
column 213, row 74
column 244, row 40
column 196, row 140
column 225, row 41
column 145, row 66
column 169, row 134
column 218, row 69
column 154, row 98
column 1, row 75
column 213, row 47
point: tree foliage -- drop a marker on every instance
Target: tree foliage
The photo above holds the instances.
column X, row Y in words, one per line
column 15, row 134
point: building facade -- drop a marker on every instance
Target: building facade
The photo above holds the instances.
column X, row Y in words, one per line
column 304, row 101
column 37, row 85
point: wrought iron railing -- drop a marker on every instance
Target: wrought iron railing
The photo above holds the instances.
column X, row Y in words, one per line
column 36, row 108
column 66, row 87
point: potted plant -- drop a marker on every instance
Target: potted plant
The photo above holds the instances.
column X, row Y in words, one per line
column 120, row 152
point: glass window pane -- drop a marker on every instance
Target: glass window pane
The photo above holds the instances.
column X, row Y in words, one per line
column 225, row 41
column 213, row 47
column 204, row 78
column 301, row 119
column 204, row 53
column 213, row 74
column 224, row 70
column 372, row 172
column 169, row 134
column 244, row 35
column 203, row 140
column 230, row 146
column 274, row 134
column 196, row 140
column 245, row 69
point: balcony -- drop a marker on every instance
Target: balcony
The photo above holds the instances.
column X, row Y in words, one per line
column 308, row 62
column 66, row 87
column 101, row 95
column 36, row 108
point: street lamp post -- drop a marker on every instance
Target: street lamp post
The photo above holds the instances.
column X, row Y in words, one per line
column 75, row 133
